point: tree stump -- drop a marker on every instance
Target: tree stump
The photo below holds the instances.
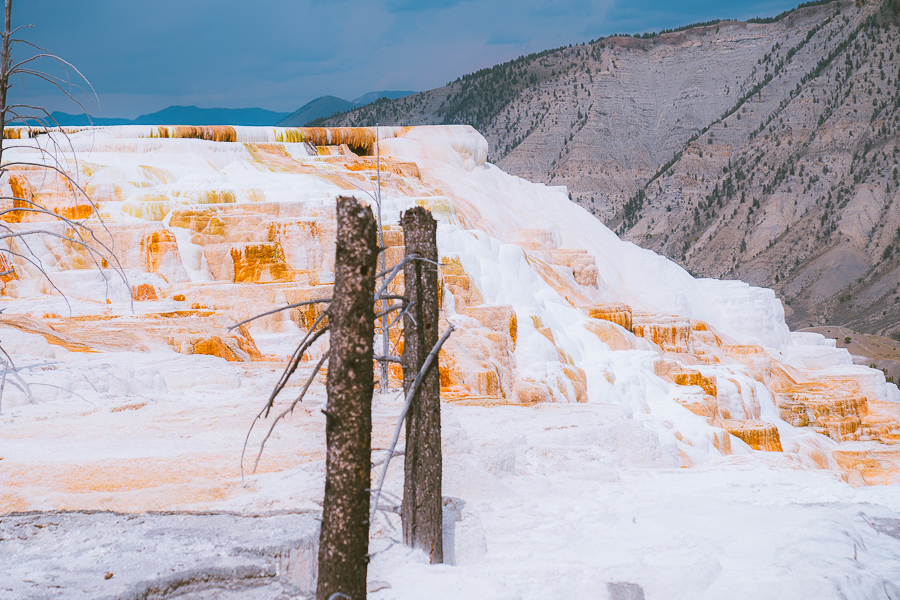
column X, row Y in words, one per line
column 344, row 540
column 421, row 509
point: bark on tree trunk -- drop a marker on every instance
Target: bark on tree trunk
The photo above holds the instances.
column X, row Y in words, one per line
column 344, row 540
column 421, row 509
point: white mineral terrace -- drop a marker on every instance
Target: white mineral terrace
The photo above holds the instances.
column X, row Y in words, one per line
column 612, row 426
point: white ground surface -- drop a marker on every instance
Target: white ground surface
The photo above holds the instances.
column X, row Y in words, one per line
column 558, row 510
column 552, row 501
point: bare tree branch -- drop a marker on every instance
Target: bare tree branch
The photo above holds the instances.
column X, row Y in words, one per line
column 290, row 409
column 3, row 384
column 420, row 376
column 389, row 310
column 277, row 310
column 292, row 365
column 393, row 359
column 24, row 385
column 40, row 267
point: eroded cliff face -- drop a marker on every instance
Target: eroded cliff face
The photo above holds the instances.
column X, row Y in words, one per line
column 211, row 228
column 761, row 152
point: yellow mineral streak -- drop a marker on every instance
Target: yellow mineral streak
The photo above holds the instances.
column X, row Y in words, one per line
column 209, row 196
column 556, row 281
column 393, row 235
column 216, row 346
column 254, row 195
column 478, row 362
column 706, row 343
column 8, row 270
column 195, row 478
column 155, row 175
column 832, row 409
column 578, row 379
column 361, row 140
column 214, row 133
column 583, row 265
column 542, row 252
column 501, row 319
column 669, row 332
column 75, row 213
column 530, row 391
column 144, row 291
column 148, row 210
column 260, row 263
column 200, row 220
column 403, row 169
column 186, row 331
column 32, row 186
column 15, row 216
column 721, row 439
column 696, row 378
column 307, row 315
column 52, row 336
column 459, row 284
column 531, row 239
column 759, row 435
column 617, row 313
column 70, row 255
column 872, row 465
column 156, row 246
column 882, row 422
column 441, row 208
column 700, row 404
column 611, row 334
column 744, row 351
column 275, row 158
column 21, row 187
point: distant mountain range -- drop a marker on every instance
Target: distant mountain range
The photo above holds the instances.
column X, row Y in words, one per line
column 327, row 106
column 324, row 106
column 182, row 115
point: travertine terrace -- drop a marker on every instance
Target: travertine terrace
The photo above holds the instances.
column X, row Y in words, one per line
column 142, row 395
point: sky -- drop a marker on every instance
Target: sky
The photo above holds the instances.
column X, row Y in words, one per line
column 144, row 55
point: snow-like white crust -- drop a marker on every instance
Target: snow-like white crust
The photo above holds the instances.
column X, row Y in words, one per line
column 609, row 463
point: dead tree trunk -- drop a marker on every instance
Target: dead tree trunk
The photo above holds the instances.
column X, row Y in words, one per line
column 344, row 540
column 5, row 64
column 421, row 508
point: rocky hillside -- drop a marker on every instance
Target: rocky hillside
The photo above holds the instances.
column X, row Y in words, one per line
column 765, row 151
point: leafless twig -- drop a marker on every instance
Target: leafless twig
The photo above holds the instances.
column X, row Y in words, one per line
column 420, row 376
column 276, row 310
column 3, row 384
column 11, row 365
column 290, row 409
column 292, row 365
column 393, row 359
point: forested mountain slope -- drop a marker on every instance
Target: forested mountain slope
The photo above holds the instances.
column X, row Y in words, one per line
column 764, row 151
